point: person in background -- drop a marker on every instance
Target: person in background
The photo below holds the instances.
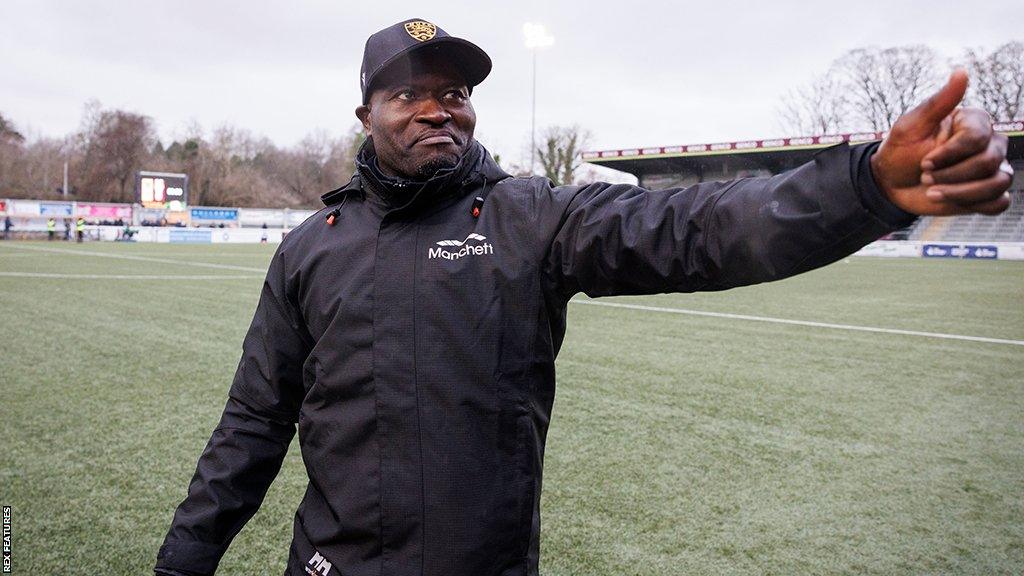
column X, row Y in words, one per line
column 7, row 227
column 67, row 229
column 51, row 228
column 80, row 230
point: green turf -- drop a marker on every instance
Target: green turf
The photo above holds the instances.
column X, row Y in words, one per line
column 678, row 445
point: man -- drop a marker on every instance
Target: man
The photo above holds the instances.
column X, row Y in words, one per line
column 411, row 328
column 80, row 229
column 51, row 228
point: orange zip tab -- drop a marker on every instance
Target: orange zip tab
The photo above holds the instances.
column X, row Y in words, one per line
column 333, row 216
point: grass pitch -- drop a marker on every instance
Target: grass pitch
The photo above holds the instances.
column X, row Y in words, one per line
column 678, row 445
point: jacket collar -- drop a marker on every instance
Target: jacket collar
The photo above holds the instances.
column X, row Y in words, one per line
column 475, row 168
column 335, row 196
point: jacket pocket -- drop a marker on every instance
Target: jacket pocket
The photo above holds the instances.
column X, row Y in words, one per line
column 311, row 383
column 528, row 477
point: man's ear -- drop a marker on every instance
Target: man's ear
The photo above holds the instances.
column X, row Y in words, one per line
column 363, row 113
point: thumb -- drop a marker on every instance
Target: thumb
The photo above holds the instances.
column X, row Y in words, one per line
column 941, row 104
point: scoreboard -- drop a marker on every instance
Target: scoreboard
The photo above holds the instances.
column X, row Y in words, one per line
column 162, row 190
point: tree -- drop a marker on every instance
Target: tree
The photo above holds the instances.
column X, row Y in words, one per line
column 232, row 160
column 230, row 167
column 8, row 133
column 190, row 156
column 116, row 144
column 997, row 80
column 356, row 137
column 29, row 167
column 11, row 153
column 317, row 164
column 866, row 88
column 822, row 107
column 562, row 153
column 884, row 84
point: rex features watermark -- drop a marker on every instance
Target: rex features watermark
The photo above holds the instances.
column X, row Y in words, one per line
column 7, row 540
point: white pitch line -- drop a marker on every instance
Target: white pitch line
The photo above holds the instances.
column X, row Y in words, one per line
column 126, row 276
column 139, row 258
column 177, row 254
column 801, row 322
column 588, row 302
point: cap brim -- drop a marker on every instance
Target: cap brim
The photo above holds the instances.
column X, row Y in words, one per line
column 472, row 62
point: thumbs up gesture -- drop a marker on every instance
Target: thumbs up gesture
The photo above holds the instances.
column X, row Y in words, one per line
column 940, row 160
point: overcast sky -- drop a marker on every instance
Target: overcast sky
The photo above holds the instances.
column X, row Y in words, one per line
column 635, row 73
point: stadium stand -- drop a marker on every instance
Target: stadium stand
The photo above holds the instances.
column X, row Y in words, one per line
column 669, row 166
column 1007, row 227
column 664, row 166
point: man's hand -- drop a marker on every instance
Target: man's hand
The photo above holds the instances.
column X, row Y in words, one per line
column 940, row 160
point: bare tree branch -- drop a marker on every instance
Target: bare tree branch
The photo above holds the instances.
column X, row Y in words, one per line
column 230, row 167
column 817, row 108
column 864, row 88
column 883, row 84
column 562, row 152
column 997, row 80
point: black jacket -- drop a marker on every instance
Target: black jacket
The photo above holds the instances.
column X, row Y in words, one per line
column 414, row 346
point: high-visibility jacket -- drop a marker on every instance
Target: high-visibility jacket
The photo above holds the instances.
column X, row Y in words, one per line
column 412, row 344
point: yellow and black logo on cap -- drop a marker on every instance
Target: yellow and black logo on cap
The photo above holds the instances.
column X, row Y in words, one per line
column 421, row 30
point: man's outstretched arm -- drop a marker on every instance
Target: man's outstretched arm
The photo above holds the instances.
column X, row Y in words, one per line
column 621, row 239
column 245, row 452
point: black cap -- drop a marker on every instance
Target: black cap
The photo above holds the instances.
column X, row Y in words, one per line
column 394, row 42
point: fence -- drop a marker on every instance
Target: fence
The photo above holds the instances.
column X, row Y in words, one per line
column 32, row 215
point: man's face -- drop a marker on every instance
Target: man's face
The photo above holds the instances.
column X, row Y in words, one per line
column 419, row 116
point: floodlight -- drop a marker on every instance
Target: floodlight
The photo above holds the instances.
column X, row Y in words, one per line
column 537, row 36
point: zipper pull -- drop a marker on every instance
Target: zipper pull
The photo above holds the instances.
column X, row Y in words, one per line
column 478, row 203
column 332, row 216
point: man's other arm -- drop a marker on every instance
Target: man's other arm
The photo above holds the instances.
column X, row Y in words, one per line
column 246, row 450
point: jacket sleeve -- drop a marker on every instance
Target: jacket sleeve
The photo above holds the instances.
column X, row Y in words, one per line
column 246, row 450
column 623, row 239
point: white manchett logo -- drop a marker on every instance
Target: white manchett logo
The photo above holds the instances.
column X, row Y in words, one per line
column 479, row 248
column 320, row 565
column 457, row 243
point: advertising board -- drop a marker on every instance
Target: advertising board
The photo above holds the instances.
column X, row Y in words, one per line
column 56, row 209
column 189, row 236
column 256, row 217
column 110, row 211
column 982, row 251
column 229, row 214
